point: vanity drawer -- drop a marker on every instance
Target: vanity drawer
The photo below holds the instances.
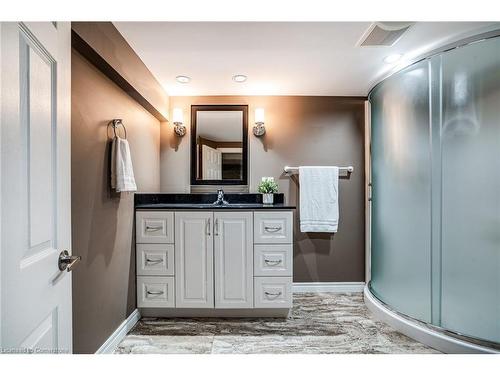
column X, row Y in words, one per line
column 273, row 292
column 273, row 227
column 272, row 260
column 155, row 291
column 155, row 259
column 154, row 227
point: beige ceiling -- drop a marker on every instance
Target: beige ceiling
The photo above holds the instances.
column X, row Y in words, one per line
column 289, row 58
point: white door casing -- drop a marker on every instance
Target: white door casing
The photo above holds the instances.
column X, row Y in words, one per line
column 233, row 254
column 194, row 255
column 35, row 163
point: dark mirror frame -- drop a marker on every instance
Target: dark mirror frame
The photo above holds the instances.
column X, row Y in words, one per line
column 194, row 110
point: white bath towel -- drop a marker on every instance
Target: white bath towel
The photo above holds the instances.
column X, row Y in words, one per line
column 122, row 171
column 319, row 208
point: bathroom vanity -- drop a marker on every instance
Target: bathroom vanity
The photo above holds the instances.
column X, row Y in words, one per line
column 195, row 258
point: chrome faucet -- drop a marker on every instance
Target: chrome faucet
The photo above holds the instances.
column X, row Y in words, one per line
column 220, row 197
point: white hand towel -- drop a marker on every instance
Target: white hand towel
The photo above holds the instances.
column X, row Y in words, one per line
column 122, row 171
column 319, row 208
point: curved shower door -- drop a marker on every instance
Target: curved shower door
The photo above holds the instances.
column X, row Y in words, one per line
column 470, row 233
column 401, row 191
column 435, row 152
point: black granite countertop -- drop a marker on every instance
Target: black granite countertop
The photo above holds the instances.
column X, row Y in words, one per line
column 238, row 201
column 194, row 206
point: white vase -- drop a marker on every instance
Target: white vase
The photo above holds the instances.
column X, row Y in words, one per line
column 268, row 198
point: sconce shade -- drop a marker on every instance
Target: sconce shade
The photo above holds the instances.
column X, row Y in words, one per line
column 259, row 115
column 177, row 117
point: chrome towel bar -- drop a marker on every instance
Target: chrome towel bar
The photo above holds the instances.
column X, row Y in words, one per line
column 295, row 170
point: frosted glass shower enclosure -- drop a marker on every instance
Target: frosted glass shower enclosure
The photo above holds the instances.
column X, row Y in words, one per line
column 435, row 154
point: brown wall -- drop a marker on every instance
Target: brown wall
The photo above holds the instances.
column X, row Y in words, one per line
column 102, row 221
column 301, row 130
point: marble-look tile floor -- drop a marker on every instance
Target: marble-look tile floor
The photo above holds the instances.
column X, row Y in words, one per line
column 322, row 323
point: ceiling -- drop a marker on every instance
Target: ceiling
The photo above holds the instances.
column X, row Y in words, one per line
column 287, row 58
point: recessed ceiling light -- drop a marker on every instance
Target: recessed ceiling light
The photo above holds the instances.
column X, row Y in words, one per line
column 239, row 78
column 183, row 79
column 392, row 58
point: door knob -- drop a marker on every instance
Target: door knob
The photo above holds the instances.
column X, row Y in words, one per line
column 67, row 262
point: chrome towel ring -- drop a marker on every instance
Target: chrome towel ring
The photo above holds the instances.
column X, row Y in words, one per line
column 116, row 123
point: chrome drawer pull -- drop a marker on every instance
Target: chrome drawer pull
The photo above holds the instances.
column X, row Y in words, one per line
column 153, row 229
column 159, row 293
column 272, row 262
column 154, row 261
column 275, row 295
column 272, row 229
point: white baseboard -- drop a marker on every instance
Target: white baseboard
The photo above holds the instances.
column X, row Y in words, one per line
column 117, row 336
column 331, row 287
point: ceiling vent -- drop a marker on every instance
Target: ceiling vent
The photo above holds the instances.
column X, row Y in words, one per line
column 384, row 34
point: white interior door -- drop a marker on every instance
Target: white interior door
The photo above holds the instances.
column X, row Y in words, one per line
column 212, row 163
column 35, row 186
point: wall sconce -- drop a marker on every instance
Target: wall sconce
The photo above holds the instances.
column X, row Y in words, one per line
column 177, row 119
column 259, row 129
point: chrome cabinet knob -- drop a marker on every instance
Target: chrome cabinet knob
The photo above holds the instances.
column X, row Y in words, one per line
column 67, row 262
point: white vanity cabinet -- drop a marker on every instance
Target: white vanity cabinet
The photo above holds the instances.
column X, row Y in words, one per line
column 213, row 262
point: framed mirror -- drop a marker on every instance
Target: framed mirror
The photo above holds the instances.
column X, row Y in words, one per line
column 219, row 144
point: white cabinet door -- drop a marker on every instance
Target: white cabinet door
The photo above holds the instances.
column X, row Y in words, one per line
column 194, row 282
column 233, row 251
